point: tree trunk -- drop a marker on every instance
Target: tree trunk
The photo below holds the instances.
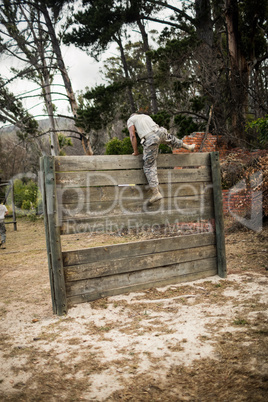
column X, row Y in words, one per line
column 149, row 67
column 125, row 67
column 239, row 70
column 54, row 143
column 204, row 23
column 65, row 77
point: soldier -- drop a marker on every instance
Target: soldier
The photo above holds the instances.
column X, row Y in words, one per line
column 3, row 213
column 151, row 136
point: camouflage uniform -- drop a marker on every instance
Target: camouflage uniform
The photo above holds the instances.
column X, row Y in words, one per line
column 150, row 152
column 2, row 232
column 3, row 211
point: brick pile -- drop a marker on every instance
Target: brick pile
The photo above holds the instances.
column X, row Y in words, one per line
column 237, row 202
column 210, row 144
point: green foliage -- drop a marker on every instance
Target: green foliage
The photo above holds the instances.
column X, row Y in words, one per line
column 120, row 147
column 12, row 111
column 252, row 21
column 186, row 125
column 63, row 143
column 198, row 103
column 25, row 194
column 98, row 106
column 162, row 119
column 96, row 26
column 174, row 49
column 164, row 149
column 261, row 128
column 124, row 147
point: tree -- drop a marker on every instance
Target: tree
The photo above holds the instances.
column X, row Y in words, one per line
column 38, row 42
column 99, row 25
column 56, row 7
column 246, row 23
column 12, row 111
column 23, row 25
column 102, row 22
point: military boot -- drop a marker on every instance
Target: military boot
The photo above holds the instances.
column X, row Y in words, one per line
column 189, row 147
column 156, row 195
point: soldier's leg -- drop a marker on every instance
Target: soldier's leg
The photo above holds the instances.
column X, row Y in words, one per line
column 150, row 152
column 2, row 233
column 173, row 141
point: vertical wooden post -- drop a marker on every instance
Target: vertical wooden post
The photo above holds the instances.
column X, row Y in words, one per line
column 44, row 197
column 13, row 205
column 218, row 213
column 57, row 282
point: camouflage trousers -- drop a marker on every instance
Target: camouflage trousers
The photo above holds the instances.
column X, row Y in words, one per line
column 150, row 152
column 2, row 232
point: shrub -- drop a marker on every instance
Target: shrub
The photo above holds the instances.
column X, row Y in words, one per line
column 260, row 126
column 25, row 194
column 120, row 147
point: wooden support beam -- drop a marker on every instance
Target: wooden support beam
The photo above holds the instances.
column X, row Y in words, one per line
column 218, row 211
column 44, row 198
column 127, row 162
column 53, row 238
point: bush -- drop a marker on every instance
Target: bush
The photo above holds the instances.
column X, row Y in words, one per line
column 25, row 194
column 260, row 126
column 120, row 147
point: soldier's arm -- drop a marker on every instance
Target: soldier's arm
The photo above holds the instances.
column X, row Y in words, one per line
column 133, row 140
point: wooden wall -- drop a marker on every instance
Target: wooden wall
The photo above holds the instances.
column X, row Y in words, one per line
column 109, row 193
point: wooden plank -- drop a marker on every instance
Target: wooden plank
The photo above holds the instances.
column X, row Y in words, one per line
column 44, row 199
column 115, row 251
column 129, row 205
column 138, row 263
column 122, row 162
column 110, row 285
column 73, row 300
column 219, row 221
column 81, row 195
column 119, row 177
column 54, row 238
column 133, row 222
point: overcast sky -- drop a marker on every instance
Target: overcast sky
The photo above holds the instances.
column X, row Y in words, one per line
column 83, row 71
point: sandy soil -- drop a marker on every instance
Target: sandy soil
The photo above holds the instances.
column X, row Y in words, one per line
column 199, row 341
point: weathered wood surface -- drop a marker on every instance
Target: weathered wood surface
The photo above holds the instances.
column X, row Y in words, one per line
column 120, row 177
column 82, row 291
column 135, row 221
column 49, row 260
column 107, row 194
column 132, row 205
column 138, row 248
column 219, row 221
column 53, row 237
column 81, row 195
column 125, row 162
column 138, row 263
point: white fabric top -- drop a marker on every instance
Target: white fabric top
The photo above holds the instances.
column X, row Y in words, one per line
column 143, row 123
column 3, row 210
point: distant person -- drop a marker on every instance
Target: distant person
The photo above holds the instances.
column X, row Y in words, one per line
column 151, row 136
column 3, row 213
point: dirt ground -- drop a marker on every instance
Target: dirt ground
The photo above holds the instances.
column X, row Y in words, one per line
column 201, row 341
